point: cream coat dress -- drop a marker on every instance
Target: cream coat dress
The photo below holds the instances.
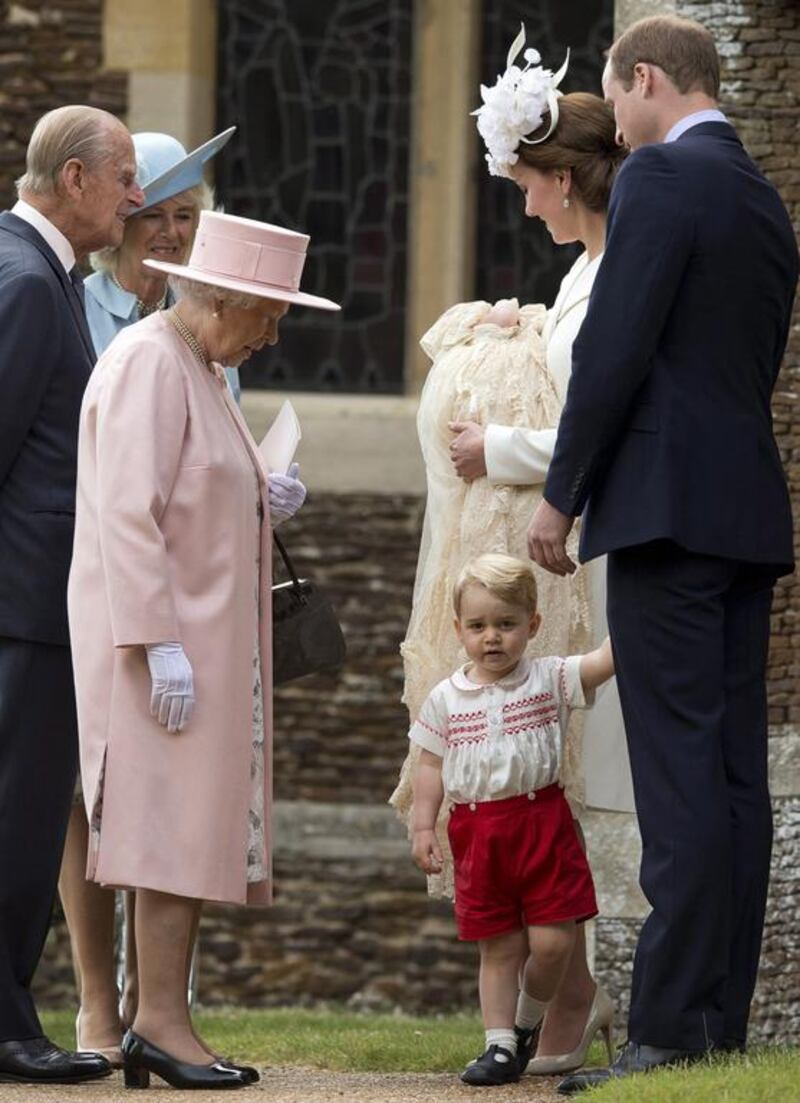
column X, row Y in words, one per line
column 167, row 539
column 520, row 456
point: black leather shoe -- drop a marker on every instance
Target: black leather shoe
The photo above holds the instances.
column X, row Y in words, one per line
column 632, row 1058
column 251, row 1075
column 495, row 1066
column 141, row 1057
column 38, row 1061
column 527, row 1041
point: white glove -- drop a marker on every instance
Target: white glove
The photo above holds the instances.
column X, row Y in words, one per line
column 172, row 696
column 286, row 495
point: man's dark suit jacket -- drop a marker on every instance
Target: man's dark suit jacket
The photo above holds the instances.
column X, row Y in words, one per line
column 667, row 428
column 46, row 356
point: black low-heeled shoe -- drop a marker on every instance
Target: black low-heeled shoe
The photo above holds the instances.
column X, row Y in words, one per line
column 141, row 1057
column 252, row 1076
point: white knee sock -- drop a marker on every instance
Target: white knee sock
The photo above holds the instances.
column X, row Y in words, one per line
column 505, row 1038
column 530, row 1012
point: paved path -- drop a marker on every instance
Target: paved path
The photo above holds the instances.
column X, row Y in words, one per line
column 297, row 1086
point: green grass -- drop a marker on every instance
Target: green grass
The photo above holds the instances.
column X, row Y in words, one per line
column 335, row 1039
column 345, row 1041
column 765, row 1076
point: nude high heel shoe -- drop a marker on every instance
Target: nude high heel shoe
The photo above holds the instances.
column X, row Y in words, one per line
column 601, row 1018
column 112, row 1054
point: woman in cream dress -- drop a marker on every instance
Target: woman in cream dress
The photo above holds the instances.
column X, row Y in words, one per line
column 520, row 457
column 566, row 180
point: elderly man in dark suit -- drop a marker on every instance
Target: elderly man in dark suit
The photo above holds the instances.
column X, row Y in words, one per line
column 79, row 185
column 666, row 446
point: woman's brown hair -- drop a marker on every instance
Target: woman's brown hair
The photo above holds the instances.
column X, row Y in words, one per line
column 585, row 142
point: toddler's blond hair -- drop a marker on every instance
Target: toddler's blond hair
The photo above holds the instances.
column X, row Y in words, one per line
column 506, row 578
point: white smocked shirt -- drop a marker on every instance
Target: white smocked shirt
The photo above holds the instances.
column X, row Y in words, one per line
column 504, row 739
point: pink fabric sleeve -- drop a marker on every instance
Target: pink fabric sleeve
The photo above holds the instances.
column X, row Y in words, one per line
column 141, row 420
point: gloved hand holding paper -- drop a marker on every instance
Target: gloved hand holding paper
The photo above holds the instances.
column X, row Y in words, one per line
column 281, row 440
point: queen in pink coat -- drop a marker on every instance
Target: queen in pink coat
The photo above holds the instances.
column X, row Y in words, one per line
column 169, row 604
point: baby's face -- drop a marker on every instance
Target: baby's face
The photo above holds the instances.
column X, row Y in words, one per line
column 494, row 633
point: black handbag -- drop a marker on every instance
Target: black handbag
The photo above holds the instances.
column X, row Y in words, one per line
column 306, row 635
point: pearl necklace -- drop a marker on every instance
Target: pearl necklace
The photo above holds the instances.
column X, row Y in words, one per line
column 142, row 307
column 190, row 339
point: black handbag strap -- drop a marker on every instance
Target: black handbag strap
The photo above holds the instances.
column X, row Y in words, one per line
column 279, row 544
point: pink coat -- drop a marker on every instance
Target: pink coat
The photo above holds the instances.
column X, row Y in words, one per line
column 166, row 536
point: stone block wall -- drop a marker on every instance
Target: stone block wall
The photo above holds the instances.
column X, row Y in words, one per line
column 50, row 55
column 341, row 737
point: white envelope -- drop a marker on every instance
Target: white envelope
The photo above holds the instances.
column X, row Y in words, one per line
column 281, row 440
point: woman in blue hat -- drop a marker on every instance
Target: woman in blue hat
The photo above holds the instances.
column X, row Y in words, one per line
column 121, row 291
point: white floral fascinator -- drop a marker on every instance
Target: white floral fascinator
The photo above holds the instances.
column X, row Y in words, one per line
column 516, row 105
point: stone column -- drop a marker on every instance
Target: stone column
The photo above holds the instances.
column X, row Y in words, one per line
column 170, row 52
column 444, row 147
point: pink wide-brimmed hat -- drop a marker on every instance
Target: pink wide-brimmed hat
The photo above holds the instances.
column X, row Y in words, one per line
column 241, row 254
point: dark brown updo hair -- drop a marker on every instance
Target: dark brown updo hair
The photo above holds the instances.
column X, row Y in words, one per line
column 584, row 141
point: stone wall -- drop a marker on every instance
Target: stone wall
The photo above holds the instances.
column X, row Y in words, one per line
column 50, row 55
column 341, row 737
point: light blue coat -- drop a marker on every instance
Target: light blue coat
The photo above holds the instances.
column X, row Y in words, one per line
column 109, row 309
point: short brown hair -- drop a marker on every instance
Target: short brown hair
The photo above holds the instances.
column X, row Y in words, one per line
column 683, row 49
column 509, row 579
column 585, row 142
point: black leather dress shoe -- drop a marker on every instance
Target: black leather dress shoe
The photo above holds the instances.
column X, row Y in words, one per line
column 38, row 1061
column 632, row 1058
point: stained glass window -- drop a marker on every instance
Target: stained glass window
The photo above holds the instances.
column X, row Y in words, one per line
column 320, row 93
column 516, row 255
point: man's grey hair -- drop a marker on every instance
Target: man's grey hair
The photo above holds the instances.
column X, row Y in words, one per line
column 107, row 260
column 209, row 295
column 76, row 131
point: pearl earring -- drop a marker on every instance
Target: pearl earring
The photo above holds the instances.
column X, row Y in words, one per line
column 565, row 204
column 215, row 314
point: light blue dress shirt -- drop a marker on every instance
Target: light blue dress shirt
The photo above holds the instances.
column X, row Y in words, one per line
column 110, row 308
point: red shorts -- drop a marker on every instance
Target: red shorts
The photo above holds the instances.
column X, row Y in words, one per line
column 518, row 863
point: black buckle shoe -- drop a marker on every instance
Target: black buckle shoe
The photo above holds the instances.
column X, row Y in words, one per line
column 527, row 1041
column 496, row 1066
column 631, row 1059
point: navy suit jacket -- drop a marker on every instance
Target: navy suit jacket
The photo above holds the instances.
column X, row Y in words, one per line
column 46, row 357
column 667, row 428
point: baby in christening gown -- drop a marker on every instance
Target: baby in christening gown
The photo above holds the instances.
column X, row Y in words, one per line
column 488, row 365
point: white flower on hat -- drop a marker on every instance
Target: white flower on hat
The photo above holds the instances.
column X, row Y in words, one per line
column 516, row 105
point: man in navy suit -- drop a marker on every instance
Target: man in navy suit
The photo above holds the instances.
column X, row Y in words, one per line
column 666, row 447
column 79, row 185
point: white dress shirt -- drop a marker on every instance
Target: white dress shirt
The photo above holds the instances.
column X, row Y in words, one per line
column 708, row 115
column 51, row 234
